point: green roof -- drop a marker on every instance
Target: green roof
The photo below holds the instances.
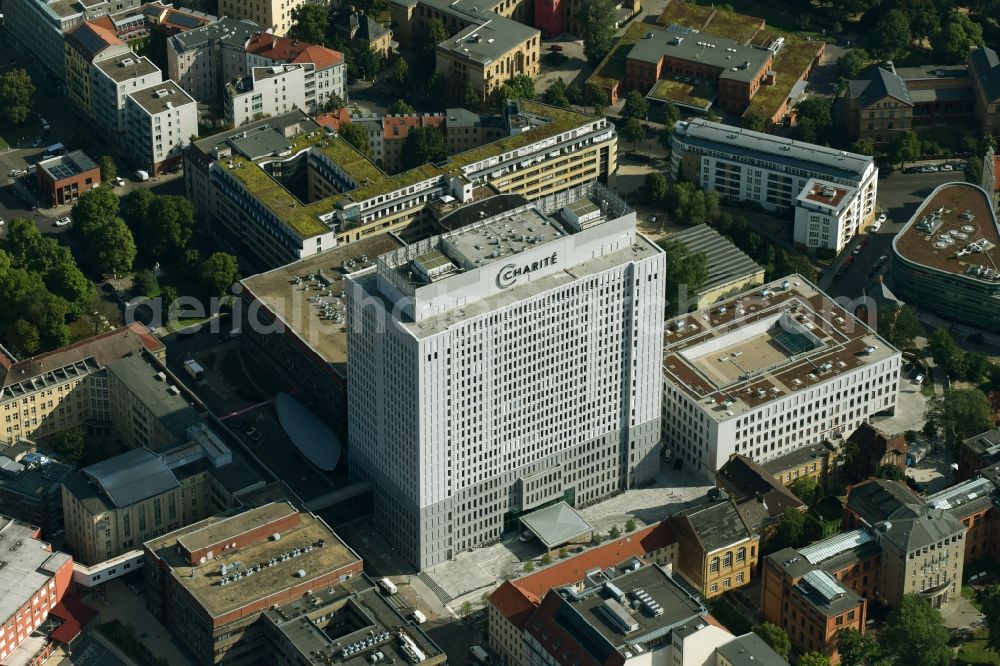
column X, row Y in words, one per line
column 612, row 68
column 697, row 95
column 279, row 200
column 789, row 64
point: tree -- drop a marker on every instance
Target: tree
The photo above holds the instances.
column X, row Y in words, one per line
column 890, row 471
column 904, row 147
column 426, row 39
column 855, row 648
column 334, row 103
column 891, row 37
column 614, row 532
column 915, row 634
column 555, row 94
column 401, row 108
column 529, row 566
column 853, row 62
column 655, row 188
column 774, row 636
column 812, row 659
column 69, row 445
column 598, row 29
column 898, row 323
column 952, row 42
column 814, row 118
column 16, row 93
column 356, row 136
column 113, row 249
column 309, row 23
column 630, row 525
column 398, row 73
column 65, row 280
column 791, row 528
column 636, row 106
column 166, row 227
column 144, row 283
column 423, row 145
column 219, row 272
column 634, row 132
column 671, row 114
column 466, row 608
column 864, row 146
column 807, row 489
column 521, row 86
column 109, row 170
column 546, row 559
column 94, row 209
column 596, row 538
column 168, row 296
column 756, row 123
column 23, row 337
column 960, row 413
column 686, row 274
column 989, row 601
column 974, row 171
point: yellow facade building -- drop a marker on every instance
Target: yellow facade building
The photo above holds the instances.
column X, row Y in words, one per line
column 716, row 550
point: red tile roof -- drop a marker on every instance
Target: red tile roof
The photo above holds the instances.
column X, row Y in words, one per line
column 92, row 37
column 106, row 23
column 398, row 127
column 287, row 50
column 333, row 119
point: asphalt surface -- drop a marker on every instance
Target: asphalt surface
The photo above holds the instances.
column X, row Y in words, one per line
column 91, row 653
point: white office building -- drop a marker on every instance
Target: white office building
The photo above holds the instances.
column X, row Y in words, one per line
column 768, row 372
column 111, row 80
column 504, row 367
column 159, row 122
column 779, row 174
column 268, row 91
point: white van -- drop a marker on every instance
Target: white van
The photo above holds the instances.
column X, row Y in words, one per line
column 479, row 654
column 142, row 175
column 388, row 586
column 194, row 369
column 418, row 617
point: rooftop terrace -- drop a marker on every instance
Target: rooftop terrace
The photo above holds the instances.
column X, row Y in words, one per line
column 954, row 231
column 746, row 351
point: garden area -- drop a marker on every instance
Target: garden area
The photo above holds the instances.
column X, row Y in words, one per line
column 123, row 636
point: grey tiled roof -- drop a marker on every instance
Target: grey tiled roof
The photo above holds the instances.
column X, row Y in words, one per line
column 132, row 477
column 986, row 68
column 876, row 83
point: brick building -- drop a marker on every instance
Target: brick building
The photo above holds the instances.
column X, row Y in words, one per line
column 63, row 179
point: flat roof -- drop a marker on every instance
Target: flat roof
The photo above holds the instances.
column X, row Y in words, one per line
column 486, row 42
column 283, row 292
column 68, row 165
column 227, row 30
column 26, row 566
column 750, row 650
column 829, row 195
column 726, row 262
column 737, row 62
column 954, row 231
column 161, row 97
column 202, row 580
column 740, row 143
column 746, row 351
column 556, row 525
column 126, row 66
column 171, row 408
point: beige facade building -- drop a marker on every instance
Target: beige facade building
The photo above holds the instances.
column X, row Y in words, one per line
column 272, row 15
column 716, row 550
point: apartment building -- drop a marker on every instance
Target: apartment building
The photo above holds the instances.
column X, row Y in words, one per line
column 63, row 179
column 444, row 483
column 510, row 605
column 87, row 44
column 945, row 258
column 760, row 499
column 203, row 60
column 730, row 271
column 34, row 580
column 769, row 372
column 211, row 582
column 834, row 189
column 30, row 488
column 485, row 48
column 360, row 30
column 266, row 91
column 39, row 26
column 274, row 16
column 160, row 121
column 61, row 389
column 111, row 80
column 325, row 79
column 809, row 462
column 984, row 67
column 716, row 550
column 283, row 189
column 978, row 452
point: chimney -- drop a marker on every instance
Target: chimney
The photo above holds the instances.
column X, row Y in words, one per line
column 891, row 66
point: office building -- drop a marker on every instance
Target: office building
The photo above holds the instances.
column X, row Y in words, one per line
column 160, row 121
column 272, row 15
column 111, row 80
column 86, row 44
column 984, row 66
column 991, row 177
column 832, row 192
column 203, row 60
column 65, row 388
column 510, row 606
column 30, row 488
column 283, row 189
column 39, row 26
column 33, row 581
column 211, row 581
column 349, row 625
column 974, row 503
column 730, row 271
column 387, row 135
column 769, row 372
column 63, row 179
column 978, row 452
column 323, row 79
column 484, row 49
column 945, row 258
column 484, row 314
column 716, row 550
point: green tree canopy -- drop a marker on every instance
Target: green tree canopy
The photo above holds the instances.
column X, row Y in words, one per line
column 113, row 249
column 812, row 659
column 520, row 86
column 899, row 324
column 655, row 188
column 398, row 73
column 426, row 39
column 904, row 147
column 776, row 637
column 856, row 648
column 423, row 145
column 144, row 283
column 853, row 62
column 890, row 38
column 791, row 528
column 598, row 29
column 959, row 33
column 16, row 96
column 68, row 445
column 309, row 22
column 671, row 114
column 814, row 119
column 23, row 337
column 890, row 471
column 686, row 274
column 636, row 106
column 219, row 272
column 807, row 489
column 864, row 146
column 755, row 122
column 989, row 601
column 94, row 209
column 915, row 634
column 109, row 170
column 356, row 136
column 333, row 103
column 960, row 413
column 401, row 108
column 164, row 223
column 633, row 132
column 555, row 94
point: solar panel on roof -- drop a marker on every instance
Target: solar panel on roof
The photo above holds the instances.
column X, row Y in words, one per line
column 824, row 550
column 794, row 343
column 185, row 20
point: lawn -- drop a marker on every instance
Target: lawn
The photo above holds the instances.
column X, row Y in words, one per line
column 976, row 651
column 688, row 14
column 775, row 13
column 612, row 69
column 19, row 136
column 738, row 27
column 733, row 620
column 950, row 137
column 696, row 95
column 790, row 63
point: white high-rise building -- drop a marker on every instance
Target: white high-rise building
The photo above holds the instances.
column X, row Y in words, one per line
column 503, row 367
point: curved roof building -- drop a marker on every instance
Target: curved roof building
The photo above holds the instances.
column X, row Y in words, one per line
column 947, row 257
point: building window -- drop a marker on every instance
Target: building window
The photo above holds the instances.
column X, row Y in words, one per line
column 714, row 566
column 741, row 554
column 739, row 577
column 727, row 560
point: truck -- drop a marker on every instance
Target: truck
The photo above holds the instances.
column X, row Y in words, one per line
column 194, row 369
column 418, row 617
column 388, row 586
column 479, row 654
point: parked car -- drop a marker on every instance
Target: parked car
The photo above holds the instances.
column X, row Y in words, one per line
column 884, row 258
column 555, row 47
column 858, row 248
column 930, row 168
column 947, row 167
column 876, row 225
column 882, row 217
column 62, row 222
column 119, row 181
